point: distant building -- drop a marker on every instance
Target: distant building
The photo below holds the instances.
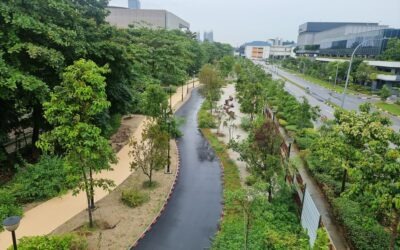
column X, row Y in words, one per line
column 198, row 37
column 123, row 17
column 256, row 50
column 134, row 4
column 208, row 36
column 338, row 39
column 281, row 49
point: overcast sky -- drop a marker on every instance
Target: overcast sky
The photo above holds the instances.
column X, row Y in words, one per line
column 239, row 21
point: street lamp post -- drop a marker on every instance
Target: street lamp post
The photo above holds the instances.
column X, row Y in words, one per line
column 169, row 130
column 351, row 63
column 11, row 224
column 337, row 72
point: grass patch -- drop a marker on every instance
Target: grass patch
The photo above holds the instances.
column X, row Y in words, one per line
column 393, row 109
column 150, row 185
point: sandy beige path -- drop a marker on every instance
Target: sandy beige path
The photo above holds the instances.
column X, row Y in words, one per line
column 49, row 215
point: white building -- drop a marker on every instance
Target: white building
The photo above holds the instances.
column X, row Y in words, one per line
column 256, row 50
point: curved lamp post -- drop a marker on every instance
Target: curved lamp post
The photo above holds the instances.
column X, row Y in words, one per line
column 351, row 63
column 11, row 224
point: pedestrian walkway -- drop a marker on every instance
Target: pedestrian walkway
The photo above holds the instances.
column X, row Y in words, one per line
column 49, row 215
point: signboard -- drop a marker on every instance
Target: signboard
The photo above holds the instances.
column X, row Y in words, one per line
column 310, row 217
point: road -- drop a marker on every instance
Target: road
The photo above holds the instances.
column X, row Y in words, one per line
column 193, row 212
column 318, row 95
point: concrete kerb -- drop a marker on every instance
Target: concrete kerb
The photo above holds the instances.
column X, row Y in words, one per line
column 173, row 186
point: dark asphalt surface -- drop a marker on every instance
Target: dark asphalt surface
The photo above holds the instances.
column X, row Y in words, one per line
column 190, row 219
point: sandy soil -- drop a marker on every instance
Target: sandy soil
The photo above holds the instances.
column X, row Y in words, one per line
column 238, row 133
column 129, row 222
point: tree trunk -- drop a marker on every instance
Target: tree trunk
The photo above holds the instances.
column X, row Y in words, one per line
column 246, row 229
column 37, row 119
column 88, row 196
column 394, row 226
column 150, row 177
column 92, row 206
column 270, row 193
column 344, row 180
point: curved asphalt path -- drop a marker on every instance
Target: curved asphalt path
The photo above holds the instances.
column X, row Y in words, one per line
column 191, row 217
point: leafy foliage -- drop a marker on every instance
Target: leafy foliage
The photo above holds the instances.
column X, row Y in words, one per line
column 134, row 197
column 55, row 242
column 150, row 154
column 72, row 110
column 48, row 178
column 8, row 205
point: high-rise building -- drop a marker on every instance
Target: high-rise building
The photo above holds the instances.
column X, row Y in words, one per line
column 208, row 36
column 134, row 4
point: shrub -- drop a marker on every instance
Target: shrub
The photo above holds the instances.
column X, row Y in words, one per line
column 134, row 198
column 250, row 180
column 292, row 128
column 283, row 123
column 205, row 119
column 245, row 124
column 362, row 229
column 8, row 205
column 48, row 178
column 113, row 125
column 322, row 242
column 304, row 142
column 56, row 242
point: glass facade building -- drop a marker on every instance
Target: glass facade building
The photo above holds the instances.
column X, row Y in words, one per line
column 340, row 39
column 373, row 43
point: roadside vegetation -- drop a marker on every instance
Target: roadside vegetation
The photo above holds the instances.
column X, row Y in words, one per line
column 354, row 158
column 356, row 165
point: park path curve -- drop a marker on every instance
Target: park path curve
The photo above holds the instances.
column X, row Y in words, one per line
column 191, row 217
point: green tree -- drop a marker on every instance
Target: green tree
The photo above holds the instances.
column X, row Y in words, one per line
column 365, row 73
column 210, row 77
column 385, row 93
column 392, row 52
column 252, row 99
column 150, row 154
column 71, row 110
column 261, row 152
column 154, row 101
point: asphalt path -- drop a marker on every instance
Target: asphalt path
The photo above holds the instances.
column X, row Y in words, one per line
column 191, row 217
column 318, row 95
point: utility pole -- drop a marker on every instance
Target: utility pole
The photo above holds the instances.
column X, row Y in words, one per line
column 337, row 72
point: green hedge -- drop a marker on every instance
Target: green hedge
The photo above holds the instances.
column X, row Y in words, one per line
column 205, row 119
column 363, row 231
column 62, row 242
